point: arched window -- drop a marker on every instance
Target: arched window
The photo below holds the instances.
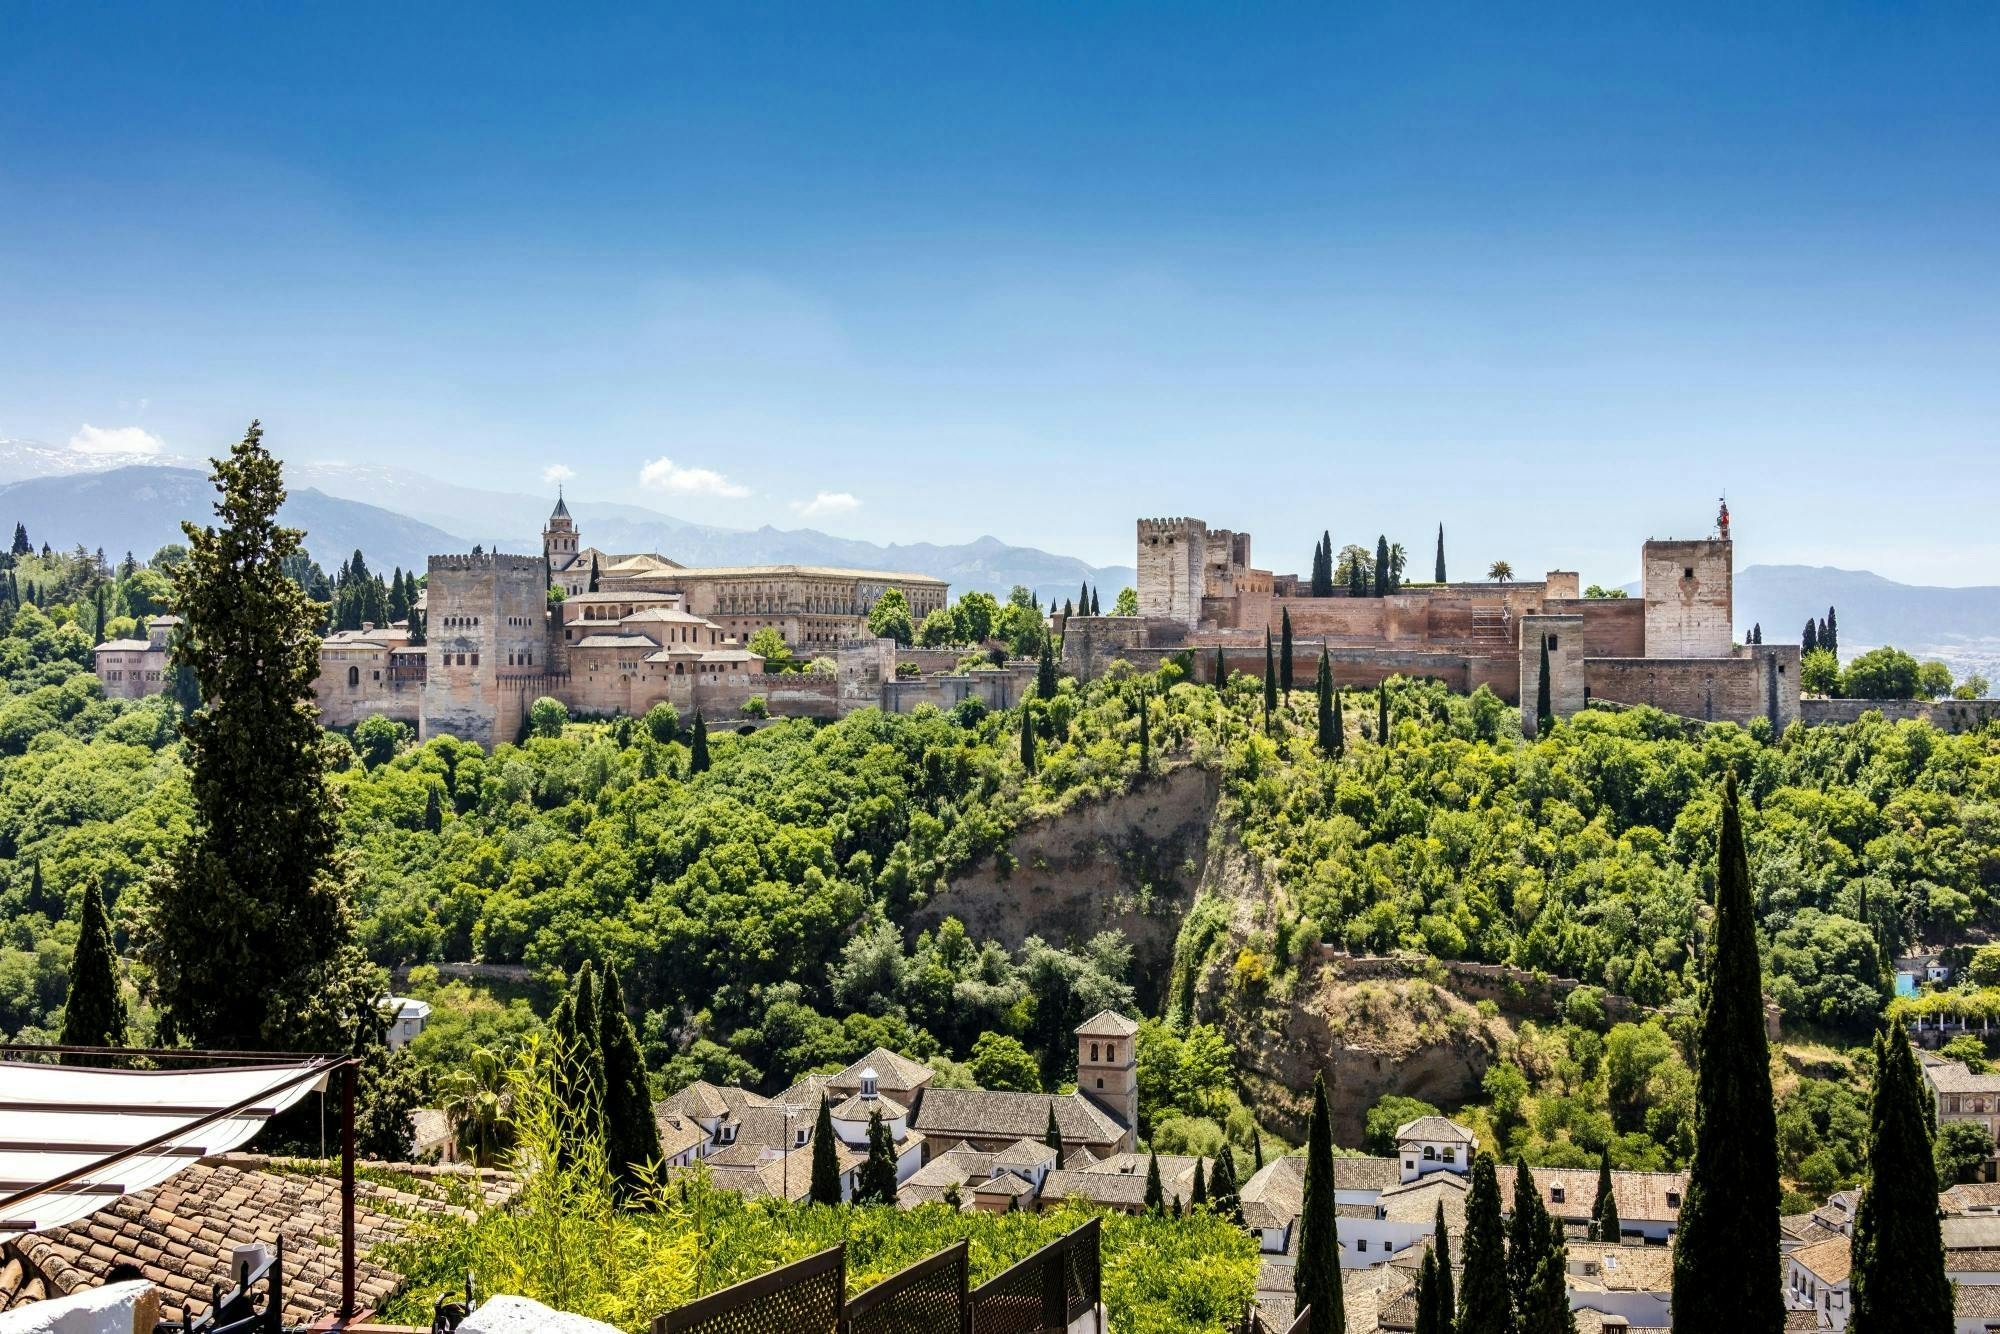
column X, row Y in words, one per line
column 353, row 677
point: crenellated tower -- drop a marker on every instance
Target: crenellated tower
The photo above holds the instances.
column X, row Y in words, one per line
column 1172, row 555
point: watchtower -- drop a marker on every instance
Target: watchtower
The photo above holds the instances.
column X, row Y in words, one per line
column 1690, row 603
column 1107, row 1065
column 1172, row 553
column 485, row 622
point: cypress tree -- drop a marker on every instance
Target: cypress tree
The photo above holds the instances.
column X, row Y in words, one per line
column 1339, row 724
column 877, row 1181
column 1096, row 608
column 1439, row 573
column 1899, row 1280
column 1027, row 740
column 433, row 811
column 826, row 1158
column 1757, row 633
column 1447, row 1300
column 1826, row 640
column 698, row 746
column 1527, row 1239
column 1256, row 1151
column 1382, row 711
column 1285, row 651
column 1316, row 1273
column 1382, row 570
column 1484, row 1304
column 1323, row 692
column 1223, row 1196
column 1156, row 1197
column 1427, row 1295
column 1545, row 1304
column 1810, row 640
column 94, row 1013
column 1357, row 581
column 261, row 868
column 1270, row 678
column 631, row 1136
column 1069, row 609
column 1052, row 1136
column 1045, row 671
column 1829, row 633
column 593, row 574
column 1221, row 669
column 98, row 601
column 1198, row 1193
column 1083, row 598
column 1326, row 562
column 1604, row 1223
column 586, row 1055
column 1545, row 714
column 1726, row 1248
column 1145, row 735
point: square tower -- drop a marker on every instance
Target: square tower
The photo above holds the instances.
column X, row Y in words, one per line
column 485, row 624
column 1107, row 1065
column 1172, row 556
column 1562, row 635
column 1690, row 604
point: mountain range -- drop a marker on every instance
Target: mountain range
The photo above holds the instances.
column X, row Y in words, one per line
column 400, row 518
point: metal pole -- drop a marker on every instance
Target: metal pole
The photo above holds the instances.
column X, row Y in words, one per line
column 347, row 1308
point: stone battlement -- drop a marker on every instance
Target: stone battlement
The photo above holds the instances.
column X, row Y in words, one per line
column 1157, row 527
column 485, row 560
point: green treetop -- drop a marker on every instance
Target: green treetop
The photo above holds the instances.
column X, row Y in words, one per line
column 94, row 1013
column 1316, row 1273
column 1485, row 1305
column 1899, row 1280
column 631, row 1136
column 876, row 1183
column 1604, row 1223
column 826, row 1158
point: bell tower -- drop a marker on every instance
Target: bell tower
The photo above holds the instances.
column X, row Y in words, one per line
column 559, row 537
column 1107, row 1066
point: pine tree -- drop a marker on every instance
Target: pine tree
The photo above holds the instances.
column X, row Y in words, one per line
column 1484, row 1304
column 1829, row 633
column 1323, row 693
column 593, row 574
column 1285, row 652
column 876, row 1183
column 261, row 869
column 1810, row 640
column 1545, row 713
column 1316, row 1273
column 1270, row 679
column 1045, row 671
column 1223, row 1196
column 1198, row 1193
column 1726, row 1248
column 1899, row 1280
column 698, row 746
column 94, row 1013
column 1027, row 740
column 1052, row 1136
column 826, row 1159
column 1383, row 573
column 1156, row 1197
column 1604, row 1222
column 631, row 1136
column 1447, row 1299
column 1438, row 574
column 1527, row 1238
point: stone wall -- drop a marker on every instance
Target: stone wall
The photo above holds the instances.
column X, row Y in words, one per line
column 999, row 688
column 1612, row 627
column 1171, row 557
column 1090, row 644
column 1758, row 683
column 360, row 681
column 1690, row 609
column 1947, row 715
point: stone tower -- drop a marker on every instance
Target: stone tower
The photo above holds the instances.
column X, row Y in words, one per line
column 1563, row 634
column 1107, row 1065
column 1690, row 605
column 559, row 538
column 1172, row 557
column 486, row 639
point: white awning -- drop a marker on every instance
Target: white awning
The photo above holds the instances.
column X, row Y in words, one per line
column 56, row 1121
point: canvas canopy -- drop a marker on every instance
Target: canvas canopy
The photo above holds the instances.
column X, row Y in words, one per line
column 74, row 1138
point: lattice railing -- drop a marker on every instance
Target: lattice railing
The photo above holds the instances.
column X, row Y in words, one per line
column 932, row 1296
column 1046, row 1291
column 806, row 1297
column 1255, row 1323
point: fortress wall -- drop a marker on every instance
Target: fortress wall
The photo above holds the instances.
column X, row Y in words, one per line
column 1948, row 715
column 1334, row 618
column 1612, row 627
column 1092, row 643
column 1709, row 689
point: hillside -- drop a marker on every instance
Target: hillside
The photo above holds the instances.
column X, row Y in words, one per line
column 140, row 509
column 1959, row 626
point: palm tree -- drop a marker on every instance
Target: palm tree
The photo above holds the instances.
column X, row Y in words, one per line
column 1500, row 572
column 1397, row 559
column 476, row 1098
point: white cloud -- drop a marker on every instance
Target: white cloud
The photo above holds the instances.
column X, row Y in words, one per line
column 666, row 475
column 101, row 440
column 825, row 503
column 557, row 472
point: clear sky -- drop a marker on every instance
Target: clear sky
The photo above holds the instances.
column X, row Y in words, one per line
column 1555, row 275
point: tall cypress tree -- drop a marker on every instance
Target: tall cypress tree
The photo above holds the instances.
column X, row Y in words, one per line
column 698, row 746
column 251, row 935
column 1829, row 633
column 1339, row 724
column 1323, row 693
column 1439, row 573
column 586, row 1054
column 1027, row 739
column 1447, row 1298
column 1145, row 733
column 1810, row 639
column 1221, row 669
column 876, row 1183
column 1316, row 1273
column 1156, row 1196
column 1083, row 598
column 1382, row 571
column 1052, row 1135
column 1096, row 608
column 1382, row 711
column 1545, row 713
column 1545, row 1303
column 1045, row 671
column 1198, row 1192
column 94, row 1013
column 1726, row 1248
column 826, row 1158
column 1899, row 1279
column 1527, row 1238
column 1223, row 1195
column 1285, row 651
column 593, row 573
column 1427, row 1296
column 631, row 1136
column 1484, row 1303
column 1604, row 1222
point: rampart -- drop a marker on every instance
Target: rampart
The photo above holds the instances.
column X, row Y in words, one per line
column 1947, row 715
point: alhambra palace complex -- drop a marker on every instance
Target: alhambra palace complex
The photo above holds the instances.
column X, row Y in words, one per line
column 654, row 630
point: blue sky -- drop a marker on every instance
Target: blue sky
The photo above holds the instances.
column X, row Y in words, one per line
column 1554, row 275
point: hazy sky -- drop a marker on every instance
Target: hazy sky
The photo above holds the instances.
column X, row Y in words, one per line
column 1554, row 275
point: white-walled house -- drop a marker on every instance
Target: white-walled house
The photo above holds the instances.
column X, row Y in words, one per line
column 1816, row 1279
